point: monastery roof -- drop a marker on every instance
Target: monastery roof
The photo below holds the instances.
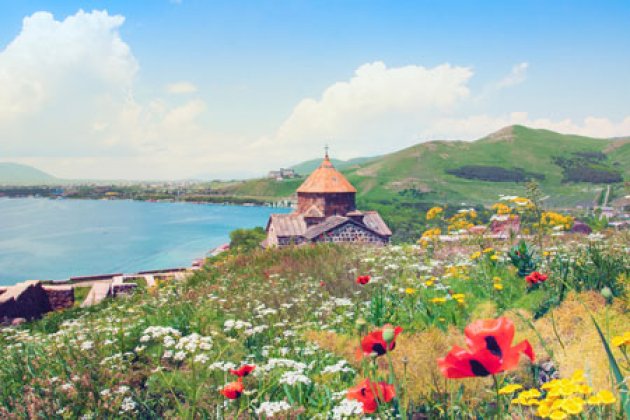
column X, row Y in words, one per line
column 326, row 179
column 287, row 225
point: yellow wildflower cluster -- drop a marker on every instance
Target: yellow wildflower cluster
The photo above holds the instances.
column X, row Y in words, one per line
column 429, row 235
column 410, row 290
column 501, row 208
column 430, row 281
column 434, row 212
column 459, row 298
column 522, row 203
column 552, row 219
column 458, row 271
column 562, row 397
column 622, row 340
column 462, row 220
column 497, row 283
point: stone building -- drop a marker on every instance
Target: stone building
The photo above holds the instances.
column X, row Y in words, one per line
column 326, row 212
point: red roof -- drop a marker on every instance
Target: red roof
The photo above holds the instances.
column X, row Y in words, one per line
column 326, row 179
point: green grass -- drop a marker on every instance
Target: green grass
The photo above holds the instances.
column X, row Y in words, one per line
column 423, row 168
column 80, row 293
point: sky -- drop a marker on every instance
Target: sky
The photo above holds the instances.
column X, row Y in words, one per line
column 177, row 89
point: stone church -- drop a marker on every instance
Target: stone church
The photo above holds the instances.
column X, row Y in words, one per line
column 326, row 212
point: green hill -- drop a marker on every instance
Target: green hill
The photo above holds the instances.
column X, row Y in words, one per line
column 18, row 174
column 309, row 166
column 570, row 169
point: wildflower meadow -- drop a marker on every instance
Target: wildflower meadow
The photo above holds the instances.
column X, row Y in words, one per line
column 478, row 327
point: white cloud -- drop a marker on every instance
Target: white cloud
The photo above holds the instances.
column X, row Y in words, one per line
column 516, row 76
column 67, row 106
column 183, row 87
column 376, row 106
column 477, row 126
column 66, row 103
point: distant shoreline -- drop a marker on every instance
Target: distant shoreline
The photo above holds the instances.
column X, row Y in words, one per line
column 217, row 203
column 19, row 273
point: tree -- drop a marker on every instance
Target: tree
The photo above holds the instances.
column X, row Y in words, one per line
column 247, row 239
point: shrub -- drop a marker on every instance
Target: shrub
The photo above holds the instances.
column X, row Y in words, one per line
column 494, row 173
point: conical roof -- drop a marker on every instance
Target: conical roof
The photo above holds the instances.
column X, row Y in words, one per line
column 326, row 179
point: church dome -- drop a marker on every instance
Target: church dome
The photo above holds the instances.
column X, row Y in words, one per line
column 326, row 179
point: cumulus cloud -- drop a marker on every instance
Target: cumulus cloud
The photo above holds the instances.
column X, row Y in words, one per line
column 178, row 88
column 477, row 126
column 378, row 105
column 66, row 102
column 67, row 106
column 516, row 76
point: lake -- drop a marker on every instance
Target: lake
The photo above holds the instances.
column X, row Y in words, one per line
column 56, row 239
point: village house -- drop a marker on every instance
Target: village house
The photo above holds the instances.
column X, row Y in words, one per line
column 326, row 212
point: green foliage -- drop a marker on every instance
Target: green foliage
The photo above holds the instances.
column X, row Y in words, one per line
column 494, row 173
column 587, row 167
column 247, row 239
column 524, row 258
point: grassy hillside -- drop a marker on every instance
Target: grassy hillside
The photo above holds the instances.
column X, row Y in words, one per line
column 17, row 174
column 309, row 333
column 309, row 166
column 426, row 172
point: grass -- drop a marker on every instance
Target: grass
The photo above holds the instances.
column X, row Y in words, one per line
column 423, row 168
column 80, row 293
column 298, row 315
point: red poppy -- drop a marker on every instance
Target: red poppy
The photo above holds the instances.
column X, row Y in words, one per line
column 371, row 394
column 243, row 370
column 363, row 279
column 233, row 390
column 489, row 350
column 535, row 278
column 375, row 344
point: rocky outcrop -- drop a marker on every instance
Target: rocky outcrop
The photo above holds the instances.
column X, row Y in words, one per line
column 30, row 300
column 24, row 300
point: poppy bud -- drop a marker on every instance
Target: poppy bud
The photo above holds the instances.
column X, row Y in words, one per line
column 388, row 333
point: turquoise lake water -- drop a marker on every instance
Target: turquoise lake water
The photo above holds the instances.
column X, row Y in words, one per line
column 57, row 239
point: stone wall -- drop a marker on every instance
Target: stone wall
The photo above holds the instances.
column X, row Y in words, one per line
column 351, row 233
column 60, row 297
column 328, row 203
column 123, row 288
column 24, row 300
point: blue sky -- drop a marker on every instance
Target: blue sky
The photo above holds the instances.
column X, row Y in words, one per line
column 253, row 79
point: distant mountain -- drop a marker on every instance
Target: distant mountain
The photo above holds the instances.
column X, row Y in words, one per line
column 571, row 169
column 18, row 174
column 309, row 166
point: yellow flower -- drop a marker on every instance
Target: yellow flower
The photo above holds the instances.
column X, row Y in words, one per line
column 475, row 255
column 532, row 393
column 573, row 405
column 496, row 279
column 433, row 212
column 494, row 257
column 621, row 340
column 429, row 282
column 557, row 415
column 498, row 286
column 545, row 253
column 607, row 397
column 438, row 300
column 410, row 291
column 488, row 250
column 543, row 410
column 510, row 389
